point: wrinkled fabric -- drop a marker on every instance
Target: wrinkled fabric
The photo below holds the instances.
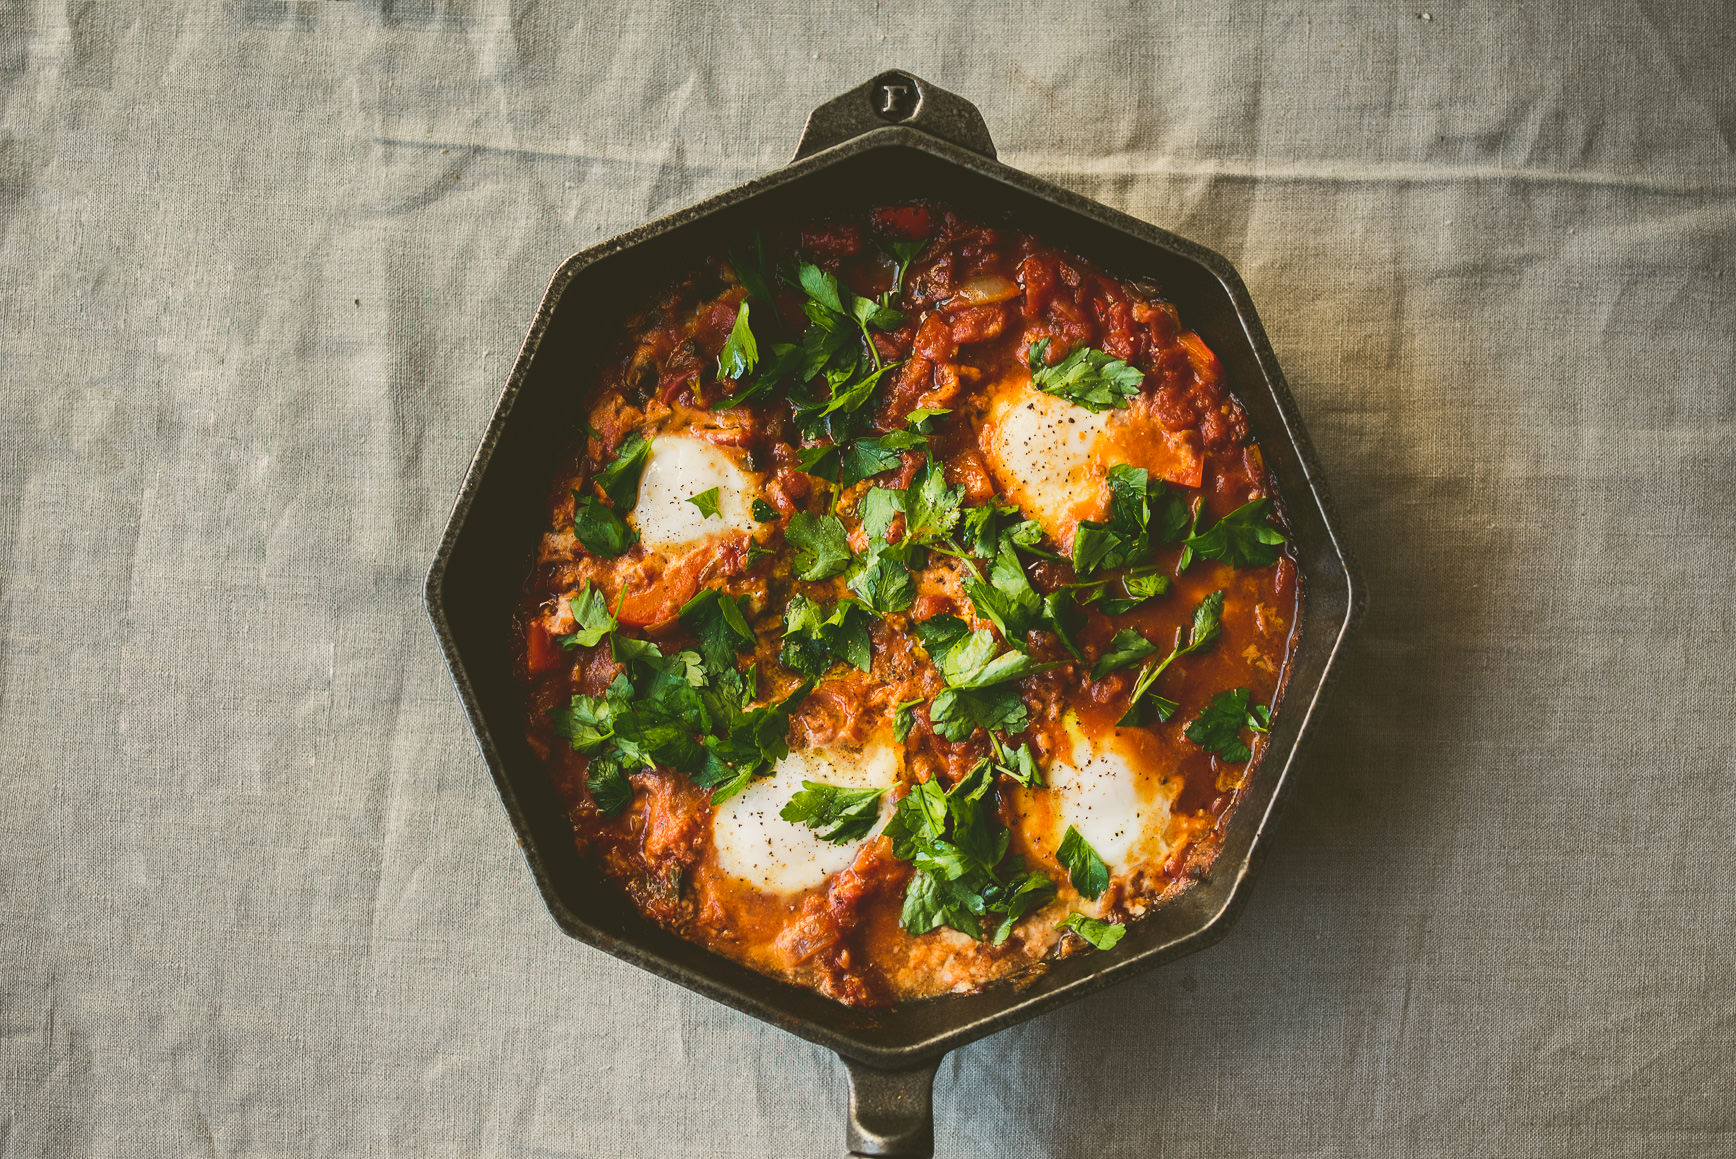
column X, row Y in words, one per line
column 265, row 266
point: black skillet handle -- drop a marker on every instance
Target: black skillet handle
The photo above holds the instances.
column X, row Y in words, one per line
column 891, row 1111
column 896, row 98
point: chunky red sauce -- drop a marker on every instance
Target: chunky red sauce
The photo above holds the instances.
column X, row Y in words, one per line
column 956, row 332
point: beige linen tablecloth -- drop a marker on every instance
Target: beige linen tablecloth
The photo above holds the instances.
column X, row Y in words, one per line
column 263, row 268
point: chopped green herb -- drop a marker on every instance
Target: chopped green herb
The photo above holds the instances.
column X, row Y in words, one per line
column 1243, row 538
column 822, row 546
column 1090, row 378
column 1018, row 764
column 740, row 352
column 903, row 717
column 611, row 791
column 706, row 501
column 1090, row 876
column 1218, row 728
column 620, row 478
column 599, row 529
column 883, row 580
column 835, row 813
column 1063, row 616
column 1207, row 626
column 764, row 512
column 591, row 615
column 958, row 851
column 1101, row 934
column 1127, row 648
column 815, row 636
column 721, row 626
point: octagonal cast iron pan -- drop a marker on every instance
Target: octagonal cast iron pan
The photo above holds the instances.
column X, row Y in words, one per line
column 895, row 138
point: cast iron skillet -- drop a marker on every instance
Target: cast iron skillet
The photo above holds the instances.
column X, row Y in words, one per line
column 896, row 137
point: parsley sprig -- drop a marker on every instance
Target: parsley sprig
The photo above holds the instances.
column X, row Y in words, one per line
column 957, row 848
column 1202, row 634
column 835, row 813
column 1218, row 728
column 1101, row 934
column 693, row 712
column 599, row 526
column 1088, row 377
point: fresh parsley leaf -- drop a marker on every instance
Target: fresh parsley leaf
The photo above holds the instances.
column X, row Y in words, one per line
column 931, row 507
column 1145, row 587
column 1170, row 515
column 902, row 254
column 747, row 745
column 878, row 314
column 1127, row 648
column 587, row 723
column 977, row 661
column 883, row 580
column 591, row 615
column 821, row 460
column 956, row 713
column 835, row 813
column 978, row 676
column 1018, row 764
column 920, row 419
column 815, row 636
column 1144, row 704
column 822, row 546
column 781, row 360
column 1007, row 599
column 1218, row 728
column 1103, row 935
column 1090, row 378
column 820, row 286
column 903, row 717
column 611, row 791
column 865, row 458
column 1093, row 542
column 854, row 394
column 879, row 507
column 764, row 512
column 706, row 501
column 940, row 633
column 1090, row 876
column 740, row 352
column 1063, row 616
column 721, row 626
column 599, row 529
column 620, row 478
column 1242, row 538
column 1016, row 897
column 1208, row 624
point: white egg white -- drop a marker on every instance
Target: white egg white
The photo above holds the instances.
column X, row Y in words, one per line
column 1103, row 789
column 751, row 842
column 678, row 468
column 1049, row 456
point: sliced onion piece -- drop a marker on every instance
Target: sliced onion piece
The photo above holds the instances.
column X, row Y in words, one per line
column 983, row 290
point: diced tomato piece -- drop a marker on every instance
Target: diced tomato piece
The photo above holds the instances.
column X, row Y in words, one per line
column 934, row 339
column 832, row 240
column 903, row 221
column 978, row 324
column 1037, row 276
column 1206, row 366
column 656, row 598
column 541, row 653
